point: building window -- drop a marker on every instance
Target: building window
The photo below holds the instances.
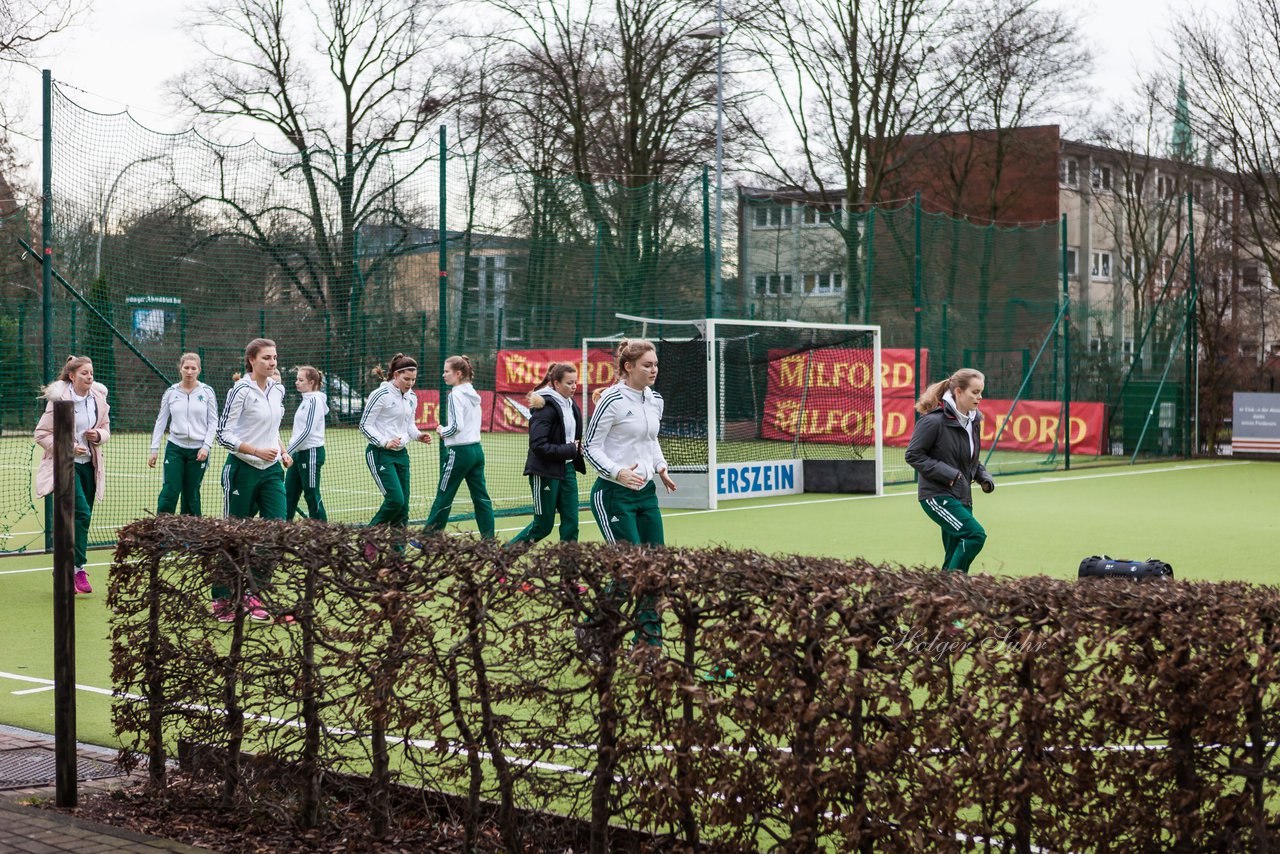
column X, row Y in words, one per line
column 1102, row 179
column 772, row 216
column 1197, row 191
column 1068, row 172
column 773, row 284
column 1071, row 261
column 821, row 214
column 1134, row 182
column 1101, row 267
column 1166, row 186
column 1135, row 268
column 823, row 283
column 1226, row 204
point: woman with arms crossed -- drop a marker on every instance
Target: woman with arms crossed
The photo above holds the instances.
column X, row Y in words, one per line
column 189, row 411
column 253, row 476
column 555, row 455
column 944, row 449
column 92, row 429
column 622, row 443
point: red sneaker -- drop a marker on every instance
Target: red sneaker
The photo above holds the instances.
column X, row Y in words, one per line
column 253, row 607
column 222, row 610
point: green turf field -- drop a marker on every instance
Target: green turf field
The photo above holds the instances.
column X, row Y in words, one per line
column 348, row 490
column 1210, row 519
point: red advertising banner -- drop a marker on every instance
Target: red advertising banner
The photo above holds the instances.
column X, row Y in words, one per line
column 828, row 417
column 520, row 370
column 844, row 370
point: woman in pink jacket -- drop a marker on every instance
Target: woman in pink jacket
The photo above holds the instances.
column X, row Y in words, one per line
column 92, row 429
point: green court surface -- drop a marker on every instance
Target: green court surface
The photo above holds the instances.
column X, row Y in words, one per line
column 1211, row 520
column 348, row 489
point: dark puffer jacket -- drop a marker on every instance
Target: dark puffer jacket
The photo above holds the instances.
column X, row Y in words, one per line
column 940, row 451
column 549, row 447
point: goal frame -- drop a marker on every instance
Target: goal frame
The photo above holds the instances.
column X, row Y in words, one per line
column 713, row 331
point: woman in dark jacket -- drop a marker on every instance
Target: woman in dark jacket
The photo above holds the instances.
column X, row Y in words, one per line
column 945, row 448
column 555, row 455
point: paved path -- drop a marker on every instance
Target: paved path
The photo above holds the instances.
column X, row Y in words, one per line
column 33, row 830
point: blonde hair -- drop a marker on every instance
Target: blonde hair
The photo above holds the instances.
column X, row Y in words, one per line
column 399, row 362
column 311, row 375
column 462, row 365
column 931, row 397
column 630, row 350
column 189, row 357
column 73, row 364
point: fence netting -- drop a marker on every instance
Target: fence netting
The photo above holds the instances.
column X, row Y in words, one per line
column 171, row 243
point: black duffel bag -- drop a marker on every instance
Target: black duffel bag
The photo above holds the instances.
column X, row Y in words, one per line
column 1104, row 566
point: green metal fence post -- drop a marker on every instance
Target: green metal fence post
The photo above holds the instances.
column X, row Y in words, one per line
column 443, row 295
column 1191, row 400
column 1065, row 427
column 868, row 245
column 46, row 261
column 917, row 290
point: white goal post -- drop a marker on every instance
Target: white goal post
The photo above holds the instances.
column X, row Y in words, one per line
column 741, row 463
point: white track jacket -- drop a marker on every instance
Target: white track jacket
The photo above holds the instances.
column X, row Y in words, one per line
column 464, row 416
column 308, row 422
column 192, row 419
column 388, row 415
column 252, row 416
column 624, row 432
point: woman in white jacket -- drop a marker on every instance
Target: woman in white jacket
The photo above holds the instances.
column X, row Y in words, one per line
column 464, row 456
column 306, row 446
column 388, row 422
column 189, row 411
column 92, row 429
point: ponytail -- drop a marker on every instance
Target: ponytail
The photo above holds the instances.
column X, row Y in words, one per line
column 931, row 397
column 399, row 362
column 461, row 364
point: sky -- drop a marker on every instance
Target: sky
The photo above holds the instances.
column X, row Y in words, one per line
column 120, row 55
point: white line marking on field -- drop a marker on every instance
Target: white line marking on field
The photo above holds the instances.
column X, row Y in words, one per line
column 39, row 690
column 673, row 514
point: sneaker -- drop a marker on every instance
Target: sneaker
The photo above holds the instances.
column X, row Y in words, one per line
column 286, row 619
column 370, row 551
column 253, row 607
column 82, row 582
column 222, row 610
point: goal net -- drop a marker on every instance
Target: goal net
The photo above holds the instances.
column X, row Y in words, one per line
column 755, row 408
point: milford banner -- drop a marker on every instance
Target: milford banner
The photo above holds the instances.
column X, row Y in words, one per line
column 844, row 372
column 825, row 397
column 1035, row 425
column 520, row 370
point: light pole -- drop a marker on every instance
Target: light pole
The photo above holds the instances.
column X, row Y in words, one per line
column 718, row 33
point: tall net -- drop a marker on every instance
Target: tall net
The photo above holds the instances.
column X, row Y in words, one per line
column 794, row 392
column 171, row 243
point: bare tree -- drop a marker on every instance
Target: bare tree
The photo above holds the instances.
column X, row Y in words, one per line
column 24, row 24
column 619, row 97
column 1144, row 210
column 352, row 113
column 855, row 78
